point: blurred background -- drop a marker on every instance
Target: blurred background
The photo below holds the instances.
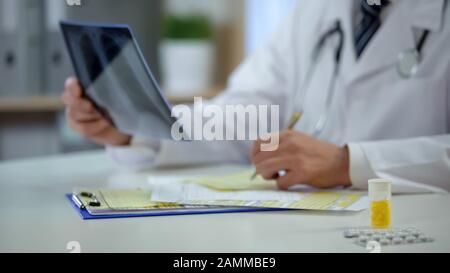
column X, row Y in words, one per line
column 211, row 36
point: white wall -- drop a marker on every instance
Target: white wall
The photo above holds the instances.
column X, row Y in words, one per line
column 263, row 17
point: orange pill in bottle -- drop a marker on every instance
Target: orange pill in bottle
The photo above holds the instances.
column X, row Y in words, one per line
column 380, row 195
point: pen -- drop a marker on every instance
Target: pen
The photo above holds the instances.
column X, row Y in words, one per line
column 294, row 120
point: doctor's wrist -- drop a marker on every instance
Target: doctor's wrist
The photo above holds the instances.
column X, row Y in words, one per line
column 344, row 167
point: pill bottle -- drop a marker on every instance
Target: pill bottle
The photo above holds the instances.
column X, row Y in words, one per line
column 380, row 194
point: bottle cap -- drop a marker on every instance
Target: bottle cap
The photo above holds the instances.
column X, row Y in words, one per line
column 380, row 189
column 378, row 185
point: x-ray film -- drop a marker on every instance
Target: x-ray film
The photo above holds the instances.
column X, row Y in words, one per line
column 116, row 77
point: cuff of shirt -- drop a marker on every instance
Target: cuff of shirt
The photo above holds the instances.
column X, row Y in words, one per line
column 139, row 155
column 360, row 169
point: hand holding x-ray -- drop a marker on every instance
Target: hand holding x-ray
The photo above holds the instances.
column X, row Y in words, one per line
column 115, row 85
column 84, row 118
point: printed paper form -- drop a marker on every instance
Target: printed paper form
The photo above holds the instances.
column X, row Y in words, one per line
column 234, row 182
column 238, row 190
column 314, row 201
column 130, row 199
column 137, row 199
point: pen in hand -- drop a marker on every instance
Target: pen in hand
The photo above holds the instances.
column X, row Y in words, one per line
column 292, row 123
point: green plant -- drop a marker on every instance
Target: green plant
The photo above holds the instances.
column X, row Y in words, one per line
column 187, row 27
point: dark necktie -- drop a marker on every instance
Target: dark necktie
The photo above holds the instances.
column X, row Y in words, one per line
column 368, row 25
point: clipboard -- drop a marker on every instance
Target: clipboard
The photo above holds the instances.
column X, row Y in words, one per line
column 85, row 215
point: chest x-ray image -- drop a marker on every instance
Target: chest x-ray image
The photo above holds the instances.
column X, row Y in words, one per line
column 115, row 76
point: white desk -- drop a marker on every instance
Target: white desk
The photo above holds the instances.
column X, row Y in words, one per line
column 36, row 217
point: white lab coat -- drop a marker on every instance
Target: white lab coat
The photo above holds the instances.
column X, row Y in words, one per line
column 396, row 128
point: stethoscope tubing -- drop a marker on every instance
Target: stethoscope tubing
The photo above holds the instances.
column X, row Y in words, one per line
column 337, row 29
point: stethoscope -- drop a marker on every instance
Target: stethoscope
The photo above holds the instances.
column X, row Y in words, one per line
column 407, row 66
column 409, row 60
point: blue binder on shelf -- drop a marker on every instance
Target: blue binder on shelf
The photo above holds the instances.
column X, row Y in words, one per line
column 85, row 215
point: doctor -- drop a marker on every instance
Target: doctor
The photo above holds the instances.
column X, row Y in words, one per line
column 372, row 82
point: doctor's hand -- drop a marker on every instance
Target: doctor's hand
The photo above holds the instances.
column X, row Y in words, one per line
column 306, row 161
column 85, row 119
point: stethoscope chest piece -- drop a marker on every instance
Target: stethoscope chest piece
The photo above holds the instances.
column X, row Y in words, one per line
column 408, row 62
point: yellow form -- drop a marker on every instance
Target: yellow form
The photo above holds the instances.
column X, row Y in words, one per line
column 322, row 201
column 137, row 199
column 237, row 189
column 234, row 182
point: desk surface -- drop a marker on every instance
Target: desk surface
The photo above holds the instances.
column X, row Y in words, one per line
column 35, row 217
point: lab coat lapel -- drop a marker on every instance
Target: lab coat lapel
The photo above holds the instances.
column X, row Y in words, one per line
column 397, row 35
column 394, row 36
column 349, row 55
column 344, row 13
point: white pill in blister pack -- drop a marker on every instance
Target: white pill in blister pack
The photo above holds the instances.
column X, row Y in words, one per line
column 387, row 237
column 397, row 241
